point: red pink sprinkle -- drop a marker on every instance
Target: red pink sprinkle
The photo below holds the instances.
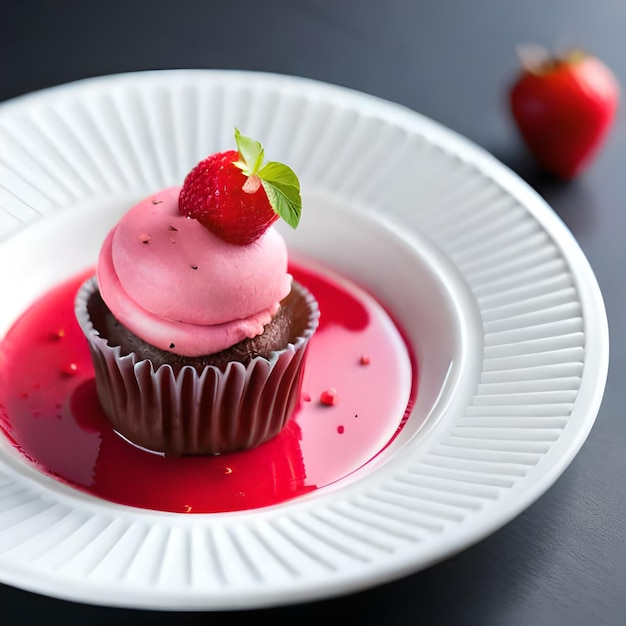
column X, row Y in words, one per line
column 70, row 369
column 340, row 430
column 364, row 360
column 329, row 396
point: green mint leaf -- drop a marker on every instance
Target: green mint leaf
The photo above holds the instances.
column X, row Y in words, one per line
column 279, row 181
column 283, row 191
column 251, row 153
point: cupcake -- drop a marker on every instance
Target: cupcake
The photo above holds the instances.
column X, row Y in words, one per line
column 197, row 332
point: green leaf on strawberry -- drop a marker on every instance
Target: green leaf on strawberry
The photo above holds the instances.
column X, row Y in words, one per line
column 279, row 181
column 251, row 153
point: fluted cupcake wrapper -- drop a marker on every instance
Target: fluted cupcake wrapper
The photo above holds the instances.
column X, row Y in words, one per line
column 197, row 412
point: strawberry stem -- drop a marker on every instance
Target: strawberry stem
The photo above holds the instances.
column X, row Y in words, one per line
column 534, row 58
column 537, row 60
column 252, row 184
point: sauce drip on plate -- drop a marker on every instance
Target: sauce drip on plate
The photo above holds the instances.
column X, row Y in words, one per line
column 50, row 412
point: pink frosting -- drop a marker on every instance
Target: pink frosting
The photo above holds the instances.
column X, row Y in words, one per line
column 174, row 284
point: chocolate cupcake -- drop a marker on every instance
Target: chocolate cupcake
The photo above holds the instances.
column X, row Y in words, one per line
column 199, row 341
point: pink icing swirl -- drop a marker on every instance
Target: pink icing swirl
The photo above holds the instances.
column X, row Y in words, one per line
column 177, row 286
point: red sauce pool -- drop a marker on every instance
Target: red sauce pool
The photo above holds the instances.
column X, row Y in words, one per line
column 50, row 412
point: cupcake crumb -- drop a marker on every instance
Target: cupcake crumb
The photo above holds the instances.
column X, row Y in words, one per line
column 144, row 238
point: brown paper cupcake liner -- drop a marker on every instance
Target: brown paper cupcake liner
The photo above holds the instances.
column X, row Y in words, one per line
column 198, row 412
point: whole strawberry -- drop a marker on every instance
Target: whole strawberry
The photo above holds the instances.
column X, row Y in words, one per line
column 237, row 197
column 563, row 108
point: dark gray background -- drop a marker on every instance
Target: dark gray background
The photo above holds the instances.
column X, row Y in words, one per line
column 563, row 560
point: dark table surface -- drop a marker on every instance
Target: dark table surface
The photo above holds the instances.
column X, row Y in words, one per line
column 561, row 561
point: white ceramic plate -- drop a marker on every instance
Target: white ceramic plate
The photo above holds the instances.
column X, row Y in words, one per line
column 495, row 297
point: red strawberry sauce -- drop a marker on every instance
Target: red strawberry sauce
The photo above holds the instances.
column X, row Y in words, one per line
column 50, row 412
